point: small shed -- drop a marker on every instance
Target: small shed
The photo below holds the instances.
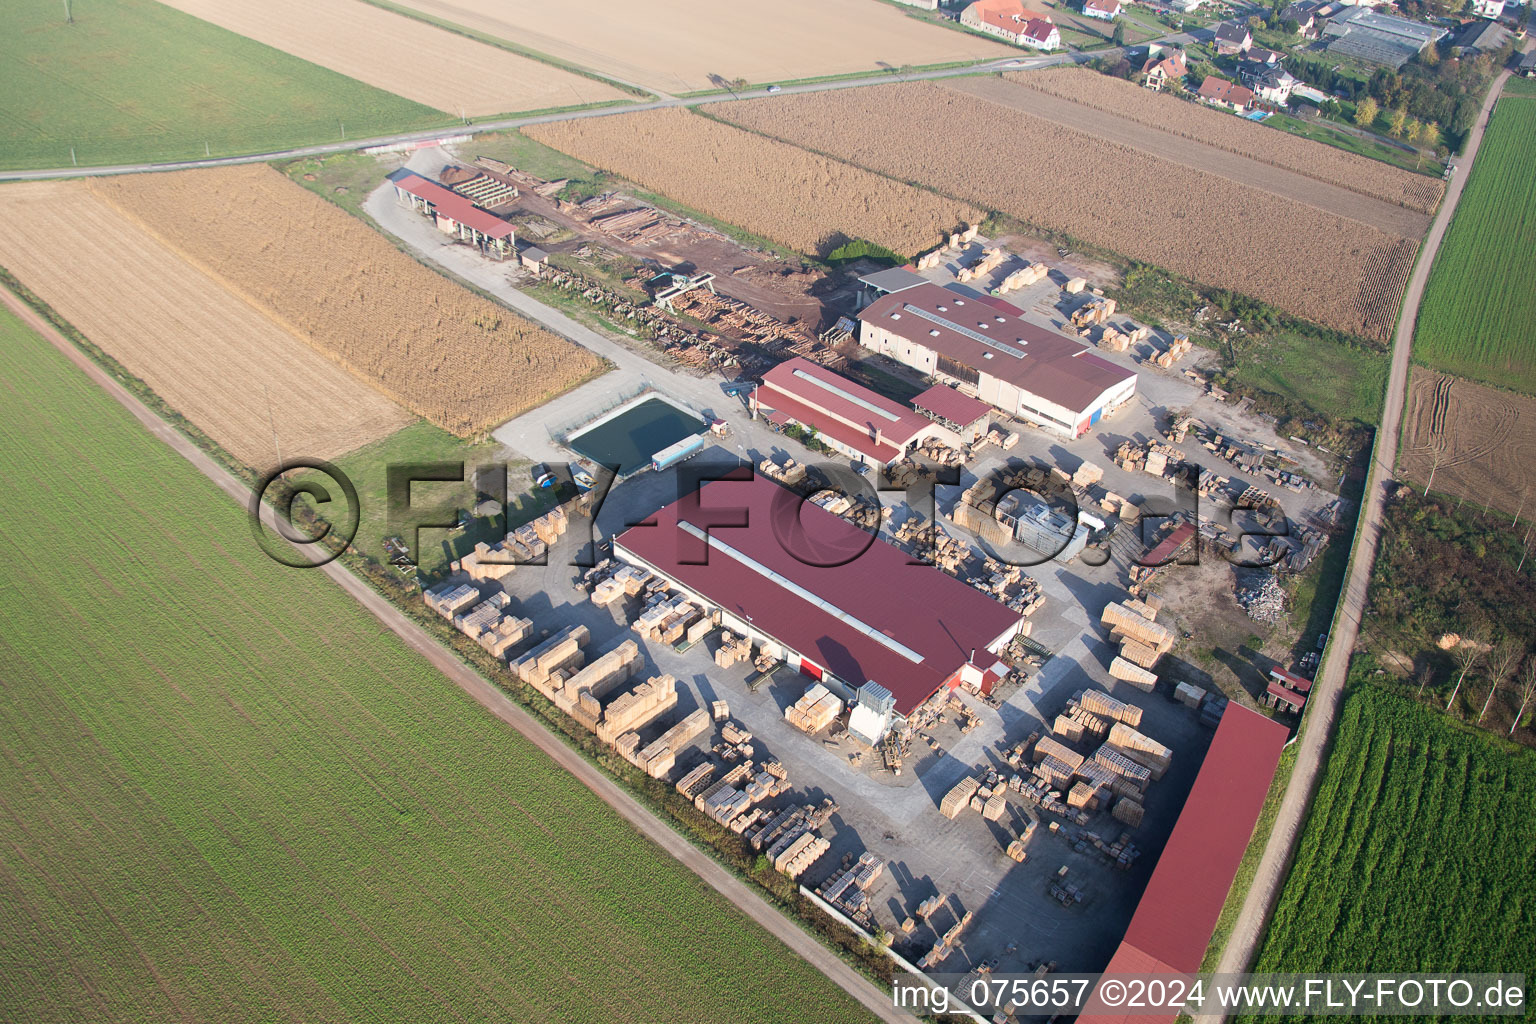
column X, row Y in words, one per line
column 533, row 259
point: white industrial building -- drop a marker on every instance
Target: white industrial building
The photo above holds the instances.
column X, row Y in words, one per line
column 986, row 348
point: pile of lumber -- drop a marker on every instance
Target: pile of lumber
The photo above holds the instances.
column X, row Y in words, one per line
column 1022, row 278
column 1095, row 311
column 1087, row 474
column 504, row 634
column 580, row 694
column 448, row 599
column 798, row 856
column 666, row 620
column 1123, row 766
column 816, row 709
column 487, row 562
column 1144, row 750
column 1125, row 622
column 1178, row 349
column 1129, row 672
column 789, row 474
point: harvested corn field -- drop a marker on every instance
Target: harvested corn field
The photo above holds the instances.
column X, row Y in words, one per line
column 1479, row 442
column 201, row 348
column 684, row 45
column 398, row 54
column 1327, row 268
column 1236, row 135
column 807, row 202
column 459, row 360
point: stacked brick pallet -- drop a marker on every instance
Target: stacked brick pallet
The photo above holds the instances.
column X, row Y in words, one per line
column 449, row 600
column 1129, row 672
column 799, row 854
column 697, row 780
column 505, row 634
column 637, row 708
column 1118, row 617
column 1142, row 749
column 1128, row 811
column 1136, row 774
column 815, row 710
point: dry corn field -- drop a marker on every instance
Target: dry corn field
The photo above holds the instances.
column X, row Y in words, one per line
column 686, row 45
column 398, row 54
column 1321, row 266
column 202, row 349
column 1236, row 135
column 443, row 352
column 799, row 199
column 1479, row 442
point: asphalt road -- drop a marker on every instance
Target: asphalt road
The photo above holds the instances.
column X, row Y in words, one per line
column 1021, row 63
column 497, row 703
column 1323, row 704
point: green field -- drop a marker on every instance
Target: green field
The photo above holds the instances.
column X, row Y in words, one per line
column 1479, row 309
column 1417, row 856
column 133, row 80
column 227, row 795
column 1338, row 380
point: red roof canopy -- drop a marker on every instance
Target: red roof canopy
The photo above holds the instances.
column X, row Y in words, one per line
column 452, row 205
column 944, row 401
column 863, row 616
column 840, row 408
column 1177, row 914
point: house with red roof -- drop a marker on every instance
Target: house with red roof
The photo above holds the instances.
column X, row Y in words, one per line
column 1104, row 10
column 1011, row 21
column 1218, row 92
column 1160, row 71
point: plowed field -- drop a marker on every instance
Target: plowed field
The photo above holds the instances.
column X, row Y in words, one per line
column 459, row 360
column 1234, row 134
column 779, row 191
column 398, row 54
column 1479, row 442
column 1324, row 267
column 201, row 348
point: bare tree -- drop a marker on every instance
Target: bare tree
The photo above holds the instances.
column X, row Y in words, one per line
column 1467, row 653
column 1426, row 673
column 1501, row 662
column 1527, row 691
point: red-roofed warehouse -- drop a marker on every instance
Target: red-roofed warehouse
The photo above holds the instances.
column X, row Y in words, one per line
column 848, row 608
column 455, row 215
column 1176, row 917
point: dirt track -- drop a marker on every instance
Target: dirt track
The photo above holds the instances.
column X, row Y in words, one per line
column 1323, row 706
column 1388, row 217
column 492, row 699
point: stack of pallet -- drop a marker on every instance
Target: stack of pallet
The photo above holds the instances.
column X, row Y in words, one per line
column 790, row 473
column 798, row 856
column 1142, row 749
column 1130, row 771
column 550, row 526
column 1097, row 702
column 607, row 592
column 1045, row 747
column 1125, row 622
column 635, row 709
column 1016, row 851
column 667, row 620
column 559, row 653
column 697, row 780
column 733, row 649
column 526, row 545
column 697, row 631
column 1095, row 311
column 1113, row 339
column 476, row 618
column 448, row 599
column 815, row 710
column 1129, row 672
column 1087, row 474
column 1083, row 796
column 734, row 734
column 1177, row 349
column 487, row 562
column 1128, row 811
column 504, row 634
column 1054, row 772
column 956, row 800
column 581, row 694
column 847, row 888
column 995, row 804
column 1022, row 278
column 657, row 758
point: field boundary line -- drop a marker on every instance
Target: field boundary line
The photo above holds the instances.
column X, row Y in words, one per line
column 488, row 695
column 1317, row 730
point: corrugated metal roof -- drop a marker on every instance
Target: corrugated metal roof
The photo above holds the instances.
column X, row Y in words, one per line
column 1052, row 366
column 840, row 408
column 944, row 401
column 451, row 205
column 1177, row 914
column 871, row 616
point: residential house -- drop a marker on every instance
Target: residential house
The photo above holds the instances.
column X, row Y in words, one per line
column 1488, row 8
column 1265, row 56
column 1527, row 65
column 1269, row 82
column 1232, row 37
column 927, row 5
column 1010, row 21
column 1218, row 92
column 1041, row 34
column 1482, row 37
column 1104, row 10
column 1304, row 15
column 1161, row 71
